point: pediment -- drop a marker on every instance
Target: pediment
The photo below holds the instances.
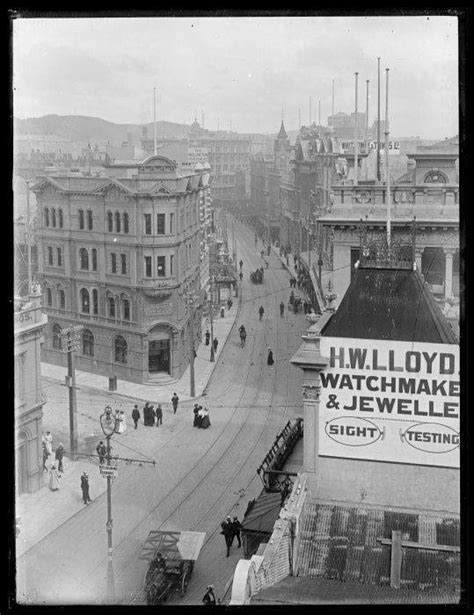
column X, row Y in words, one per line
column 162, row 189
column 113, row 188
column 47, row 185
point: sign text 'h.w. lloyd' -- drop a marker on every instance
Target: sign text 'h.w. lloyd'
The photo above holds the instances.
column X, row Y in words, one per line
column 390, row 401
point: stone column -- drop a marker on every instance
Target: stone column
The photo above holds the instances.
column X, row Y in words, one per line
column 448, row 283
column 309, row 359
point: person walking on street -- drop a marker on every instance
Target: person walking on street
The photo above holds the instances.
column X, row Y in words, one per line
column 261, row 312
column 54, row 477
column 59, row 457
column 85, row 488
column 229, row 303
column 102, row 452
column 48, row 440
column 241, row 275
column 241, row 263
column 152, row 416
column 209, row 598
column 282, row 309
column 174, row 401
column 146, row 413
column 237, row 526
column 208, row 337
column 159, row 415
column 228, row 532
column 196, row 415
column 270, row 359
column 136, row 415
column 215, row 344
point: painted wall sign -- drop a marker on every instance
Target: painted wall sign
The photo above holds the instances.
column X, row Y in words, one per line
column 390, row 401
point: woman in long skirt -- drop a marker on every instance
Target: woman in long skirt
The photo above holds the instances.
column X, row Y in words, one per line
column 270, row 359
column 54, row 477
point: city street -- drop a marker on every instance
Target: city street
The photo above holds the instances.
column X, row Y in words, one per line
column 200, row 475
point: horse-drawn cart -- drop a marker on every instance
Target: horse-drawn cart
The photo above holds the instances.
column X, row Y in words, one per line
column 171, row 556
column 256, row 277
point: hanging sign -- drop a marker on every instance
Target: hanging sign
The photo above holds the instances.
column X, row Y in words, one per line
column 106, row 471
column 390, row 401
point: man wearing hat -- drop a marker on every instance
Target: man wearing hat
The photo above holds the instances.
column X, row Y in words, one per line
column 136, row 415
column 228, row 532
column 236, row 526
column 209, row 597
column 85, row 488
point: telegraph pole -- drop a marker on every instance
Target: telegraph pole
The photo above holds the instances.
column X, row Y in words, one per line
column 211, row 308
column 356, row 135
column 190, row 299
column 71, row 337
column 378, row 120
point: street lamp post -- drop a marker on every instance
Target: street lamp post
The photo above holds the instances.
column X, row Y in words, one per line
column 211, row 307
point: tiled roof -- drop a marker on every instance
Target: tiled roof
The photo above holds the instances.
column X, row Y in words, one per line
column 389, row 304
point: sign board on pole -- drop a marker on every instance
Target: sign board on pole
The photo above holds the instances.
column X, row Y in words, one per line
column 106, row 470
column 390, row 401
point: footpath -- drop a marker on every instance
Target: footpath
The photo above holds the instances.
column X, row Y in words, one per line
column 42, row 512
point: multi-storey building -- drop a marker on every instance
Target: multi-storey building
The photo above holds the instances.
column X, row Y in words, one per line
column 119, row 255
column 29, row 324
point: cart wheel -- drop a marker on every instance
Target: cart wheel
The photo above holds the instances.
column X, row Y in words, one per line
column 185, row 579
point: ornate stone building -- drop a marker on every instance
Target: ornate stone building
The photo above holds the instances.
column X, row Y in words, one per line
column 119, row 255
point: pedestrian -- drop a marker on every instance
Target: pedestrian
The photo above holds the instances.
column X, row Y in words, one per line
column 229, row 303
column 236, row 526
column 101, row 451
column 196, row 415
column 261, row 311
column 85, row 488
column 136, row 415
column 174, row 401
column 241, row 263
column 59, row 457
column 204, row 421
column 215, row 344
column 48, row 440
column 159, row 415
column 146, row 414
column 241, row 275
column 222, row 311
column 54, row 477
column 208, row 337
column 292, row 298
column 152, row 416
column 209, row 598
column 228, row 532
column 262, row 253
column 282, row 309
column 270, row 359
column 45, row 457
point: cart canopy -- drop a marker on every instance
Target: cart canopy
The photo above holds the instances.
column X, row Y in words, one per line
column 173, row 545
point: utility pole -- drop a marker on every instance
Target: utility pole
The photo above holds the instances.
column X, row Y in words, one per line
column 356, row 135
column 190, row 303
column 28, row 236
column 112, row 423
column 71, row 337
column 378, row 120
column 211, row 308
column 387, row 168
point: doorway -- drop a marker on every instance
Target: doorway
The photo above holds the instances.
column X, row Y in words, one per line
column 22, row 485
column 159, row 356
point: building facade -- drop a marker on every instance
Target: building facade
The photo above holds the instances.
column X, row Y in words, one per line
column 120, row 255
column 29, row 326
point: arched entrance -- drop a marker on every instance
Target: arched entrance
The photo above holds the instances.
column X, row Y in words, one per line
column 159, row 350
column 22, row 480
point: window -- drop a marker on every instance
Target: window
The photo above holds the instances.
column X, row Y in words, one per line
column 113, row 260
column 171, row 264
column 61, row 218
column 84, row 258
column 85, row 307
column 57, row 338
column 95, row 301
column 125, row 223
column 90, row 221
column 46, row 216
column 160, row 224
column 171, row 223
column 50, row 256
column 117, row 222
column 148, row 266
column 147, row 224
column 62, row 299
column 49, row 297
column 88, row 343
column 123, row 263
column 160, row 266
column 53, row 217
column 111, row 302
column 120, row 349
column 81, row 218
column 94, row 259
column 59, row 253
column 126, row 309
column 110, row 221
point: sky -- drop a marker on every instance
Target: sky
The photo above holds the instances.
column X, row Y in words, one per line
column 240, row 72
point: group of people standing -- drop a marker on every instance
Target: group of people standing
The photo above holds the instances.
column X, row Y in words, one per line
column 230, row 528
column 207, row 339
column 201, row 417
column 152, row 415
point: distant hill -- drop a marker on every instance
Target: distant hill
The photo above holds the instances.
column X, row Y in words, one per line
column 93, row 129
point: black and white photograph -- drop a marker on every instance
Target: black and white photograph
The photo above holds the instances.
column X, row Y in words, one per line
column 237, row 309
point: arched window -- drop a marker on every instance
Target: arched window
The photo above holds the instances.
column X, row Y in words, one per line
column 46, row 216
column 88, row 343
column 95, row 301
column 85, row 306
column 57, row 338
column 61, row 218
column 110, row 221
column 94, row 259
column 81, row 218
column 49, row 297
column 126, row 309
column 84, row 258
column 120, row 350
column 62, row 299
column 53, row 217
column 117, row 222
column 125, row 223
column 50, row 256
column 90, row 223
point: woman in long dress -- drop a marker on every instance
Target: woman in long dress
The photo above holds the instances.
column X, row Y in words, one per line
column 204, row 414
column 270, row 359
column 54, row 477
